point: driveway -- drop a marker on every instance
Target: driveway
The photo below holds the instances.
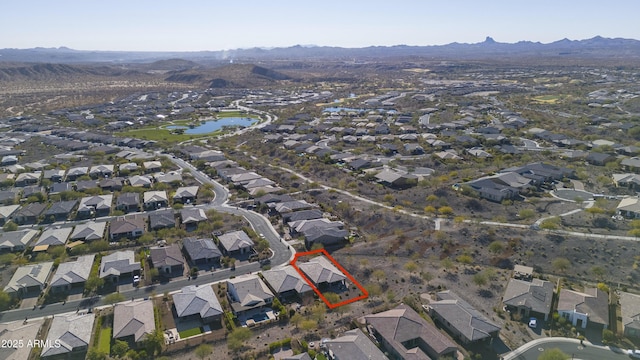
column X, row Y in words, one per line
column 28, row 303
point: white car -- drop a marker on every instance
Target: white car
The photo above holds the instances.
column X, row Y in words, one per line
column 533, row 323
column 634, row 353
column 136, row 279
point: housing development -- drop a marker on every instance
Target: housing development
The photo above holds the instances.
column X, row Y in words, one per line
column 392, row 206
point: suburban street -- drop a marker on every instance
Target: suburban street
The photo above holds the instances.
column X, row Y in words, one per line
column 572, row 347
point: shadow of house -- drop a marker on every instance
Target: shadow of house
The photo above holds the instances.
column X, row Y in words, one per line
column 168, row 260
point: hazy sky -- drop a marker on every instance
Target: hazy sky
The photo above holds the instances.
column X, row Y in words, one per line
column 190, row 25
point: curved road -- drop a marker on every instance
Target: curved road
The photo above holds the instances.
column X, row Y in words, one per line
column 572, row 347
column 282, row 254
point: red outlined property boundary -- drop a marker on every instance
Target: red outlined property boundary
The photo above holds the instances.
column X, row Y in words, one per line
column 331, row 305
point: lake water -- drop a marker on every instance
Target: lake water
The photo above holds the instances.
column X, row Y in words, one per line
column 214, row 125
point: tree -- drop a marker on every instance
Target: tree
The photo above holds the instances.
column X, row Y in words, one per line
column 446, row 210
column 296, row 319
column 236, row 339
column 203, row 351
column 153, row 342
column 379, row 275
column 113, row 298
column 309, row 325
column 480, row 279
column 5, row 300
column 526, row 214
column 10, row 226
column 7, row 259
column 553, row 354
column 95, row 354
column 496, row 247
column 411, row 266
column 561, row 264
column 119, row 348
column 93, row 283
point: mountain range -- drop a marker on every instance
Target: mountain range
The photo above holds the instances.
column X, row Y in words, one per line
column 594, row 48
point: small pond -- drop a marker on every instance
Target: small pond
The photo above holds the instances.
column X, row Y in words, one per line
column 214, row 125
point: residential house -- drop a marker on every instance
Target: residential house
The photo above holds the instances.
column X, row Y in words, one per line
column 128, row 202
column 74, row 173
column 600, row 159
column 235, row 243
column 162, row 219
column 127, row 168
column 322, row 273
column 186, row 195
column 326, row 235
column 29, row 214
column 30, row 178
column 57, row 188
column 171, row 177
column 140, row 181
column 55, row 175
column 631, row 164
column 286, row 282
column 632, row 181
column 527, row 299
column 630, row 313
column 31, row 190
column 152, row 166
column 404, row 334
column 396, row 179
column 290, row 206
column 127, row 227
column 191, row 217
column 133, row 321
column 86, row 185
column 94, row 206
column 247, row 292
column 60, row 211
column 29, row 279
column 155, row 200
column 73, row 333
column 201, row 251
column 500, row 186
column 101, row 171
column 72, row 274
column 353, row 345
column 53, row 236
column 16, row 240
column 88, row 231
column 541, row 172
column 167, row 259
column 302, row 215
column 6, row 212
column 461, row 319
column 121, row 265
column 8, row 197
column 198, row 302
column 580, row 308
column 111, row 184
column 629, row 207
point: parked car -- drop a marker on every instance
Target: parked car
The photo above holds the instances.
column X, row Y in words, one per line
column 136, row 280
column 634, row 353
column 533, row 323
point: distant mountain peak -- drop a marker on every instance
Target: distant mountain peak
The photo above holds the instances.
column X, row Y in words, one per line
column 489, row 40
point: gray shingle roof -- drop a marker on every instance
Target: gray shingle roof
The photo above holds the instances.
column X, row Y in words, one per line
column 197, row 300
column 73, row 272
column 54, row 236
column 286, row 279
column 463, row 317
column 320, row 270
column 73, row 331
column 133, row 319
column 535, row 295
column 235, row 240
column 355, row 345
column 201, row 248
column 89, row 231
column 166, row 256
column 29, row 275
column 120, row 262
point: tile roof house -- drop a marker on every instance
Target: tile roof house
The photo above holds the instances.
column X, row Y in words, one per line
column 631, row 181
column 629, row 207
column 60, row 211
column 170, row 177
column 72, row 274
column 235, row 243
column 101, row 171
column 396, row 179
column 162, row 219
column 580, row 308
column 631, row 164
column 76, row 172
column 29, row 214
column 24, row 179
column 406, row 335
column 119, row 264
column 6, row 212
column 111, row 184
column 54, row 236
column 89, row 231
column 152, row 166
column 72, row 331
column 325, row 235
column 192, row 216
column 128, row 202
column 155, row 199
column 167, row 259
column 322, row 272
column 16, row 240
column 140, row 181
column 198, row 301
column 630, row 312
column 29, row 278
column 90, row 206
column 186, row 195
column 127, row 167
column 296, row 205
column 132, row 321
column 286, row 282
column 532, row 298
column 248, row 292
column 129, row 227
column 353, row 345
column 461, row 319
column 201, row 251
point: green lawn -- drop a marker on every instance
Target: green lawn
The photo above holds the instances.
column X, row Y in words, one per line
column 104, row 342
column 189, row 333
